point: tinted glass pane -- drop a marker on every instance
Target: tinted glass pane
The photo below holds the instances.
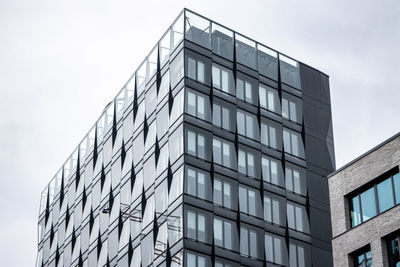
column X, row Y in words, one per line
column 217, row 192
column 228, row 235
column 368, row 204
column 355, row 212
column 385, row 195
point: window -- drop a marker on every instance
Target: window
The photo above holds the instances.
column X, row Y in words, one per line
column 244, row 89
column 293, row 143
column 223, row 152
column 376, row 199
column 297, row 256
column 249, row 201
column 363, row 258
column 176, row 188
column 223, row 233
column 275, row 249
column 248, row 242
column 393, row 250
column 368, row 204
column 271, row 134
column 195, row 260
column 177, row 107
column 247, row 125
column 272, row 171
column 269, row 99
column 291, row 108
column 222, row 193
column 295, row 178
column 196, row 226
column 176, row 70
column 385, row 195
column 198, row 183
column 195, row 69
column 164, row 87
column 175, row 143
column 151, row 100
column 297, row 218
column 274, row 210
column 223, row 115
column 162, row 121
column 246, row 163
column 222, row 79
column 195, row 144
column 197, row 105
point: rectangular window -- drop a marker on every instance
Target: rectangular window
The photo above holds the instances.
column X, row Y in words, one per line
column 222, row 193
column 195, row 144
column 297, row 218
column 272, row 171
column 249, row 201
column 222, row 116
column 198, row 105
column 363, row 258
column 385, row 195
column 269, row 99
column 272, row 210
column 247, row 125
column 246, row 163
column 196, row 224
column 222, row 79
column 293, row 143
column 176, row 70
column 223, row 234
column 355, row 211
column 222, row 153
column 244, row 89
column 275, row 249
column 271, row 134
column 295, row 178
column 198, row 183
column 297, row 257
column 368, row 204
column 248, row 242
column 291, row 108
column 195, row 69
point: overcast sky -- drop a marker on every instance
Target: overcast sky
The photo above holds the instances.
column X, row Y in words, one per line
column 61, row 62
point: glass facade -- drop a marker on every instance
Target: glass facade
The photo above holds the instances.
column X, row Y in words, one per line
column 197, row 153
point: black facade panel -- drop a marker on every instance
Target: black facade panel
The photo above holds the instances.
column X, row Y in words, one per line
column 318, row 187
column 321, row 258
column 320, row 225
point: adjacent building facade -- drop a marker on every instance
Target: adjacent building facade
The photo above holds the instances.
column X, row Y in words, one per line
column 215, row 153
column 365, row 211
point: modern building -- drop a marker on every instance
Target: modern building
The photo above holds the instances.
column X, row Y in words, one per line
column 214, row 153
column 365, row 211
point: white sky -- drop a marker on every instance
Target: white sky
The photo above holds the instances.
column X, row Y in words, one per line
column 62, row 61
